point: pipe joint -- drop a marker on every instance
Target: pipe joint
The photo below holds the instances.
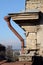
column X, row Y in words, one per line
column 7, row 18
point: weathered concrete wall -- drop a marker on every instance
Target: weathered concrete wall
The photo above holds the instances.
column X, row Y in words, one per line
column 34, row 4
column 31, row 41
column 34, row 35
column 40, row 35
column 40, row 39
column 31, row 36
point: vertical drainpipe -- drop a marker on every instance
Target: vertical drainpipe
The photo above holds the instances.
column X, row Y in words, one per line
column 7, row 19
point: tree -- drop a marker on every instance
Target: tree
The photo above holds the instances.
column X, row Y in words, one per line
column 2, row 52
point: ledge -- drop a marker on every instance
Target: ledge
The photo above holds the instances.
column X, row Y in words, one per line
column 24, row 16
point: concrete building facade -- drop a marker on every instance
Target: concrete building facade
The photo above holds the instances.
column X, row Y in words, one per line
column 31, row 20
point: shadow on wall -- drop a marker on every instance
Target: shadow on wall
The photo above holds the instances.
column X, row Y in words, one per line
column 37, row 60
column 40, row 18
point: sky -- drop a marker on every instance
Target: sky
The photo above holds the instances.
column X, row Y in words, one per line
column 6, row 35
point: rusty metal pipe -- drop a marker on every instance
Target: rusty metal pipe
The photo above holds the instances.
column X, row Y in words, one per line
column 7, row 19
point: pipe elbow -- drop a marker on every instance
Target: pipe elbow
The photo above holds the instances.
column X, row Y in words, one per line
column 7, row 18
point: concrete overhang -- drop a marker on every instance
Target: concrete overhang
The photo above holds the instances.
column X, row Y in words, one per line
column 24, row 15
